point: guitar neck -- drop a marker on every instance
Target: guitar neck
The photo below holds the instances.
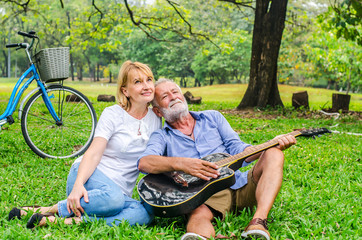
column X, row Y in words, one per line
column 253, row 150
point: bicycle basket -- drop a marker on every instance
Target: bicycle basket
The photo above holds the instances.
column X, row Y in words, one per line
column 53, row 64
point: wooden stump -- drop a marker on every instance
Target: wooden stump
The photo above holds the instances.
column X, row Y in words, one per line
column 106, row 98
column 72, row 98
column 191, row 99
column 300, row 99
column 196, row 100
column 188, row 96
column 340, row 102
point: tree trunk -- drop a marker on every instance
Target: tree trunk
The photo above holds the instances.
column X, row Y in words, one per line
column 349, row 81
column 197, row 83
column 70, row 48
column 185, row 82
column 6, row 64
column 263, row 89
column 237, row 76
column 71, row 65
column 330, row 84
column 211, row 80
column 93, row 73
column 80, row 71
column 97, row 72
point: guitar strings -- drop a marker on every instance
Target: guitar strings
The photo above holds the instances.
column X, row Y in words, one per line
column 253, row 149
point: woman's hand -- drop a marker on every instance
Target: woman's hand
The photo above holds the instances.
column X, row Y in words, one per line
column 89, row 163
column 73, row 200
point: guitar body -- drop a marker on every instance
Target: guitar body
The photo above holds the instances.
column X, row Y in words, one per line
column 166, row 198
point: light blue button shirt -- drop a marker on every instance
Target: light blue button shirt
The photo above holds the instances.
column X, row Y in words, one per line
column 212, row 133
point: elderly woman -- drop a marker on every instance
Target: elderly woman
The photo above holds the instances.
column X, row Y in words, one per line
column 100, row 182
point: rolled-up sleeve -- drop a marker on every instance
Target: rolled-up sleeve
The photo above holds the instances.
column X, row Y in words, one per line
column 231, row 139
column 155, row 146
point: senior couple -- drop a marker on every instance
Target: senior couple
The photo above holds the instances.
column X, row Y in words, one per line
column 129, row 139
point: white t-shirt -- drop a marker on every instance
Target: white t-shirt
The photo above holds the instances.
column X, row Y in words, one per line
column 127, row 139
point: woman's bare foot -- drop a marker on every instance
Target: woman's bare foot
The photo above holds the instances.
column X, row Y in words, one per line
column 23, row 211
column 41, row 220
column 72, row 220
column 52, row 209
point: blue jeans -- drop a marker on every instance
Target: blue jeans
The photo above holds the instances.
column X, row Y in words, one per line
column 106, row 201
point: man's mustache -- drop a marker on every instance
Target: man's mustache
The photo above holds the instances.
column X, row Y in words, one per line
column 173, row 102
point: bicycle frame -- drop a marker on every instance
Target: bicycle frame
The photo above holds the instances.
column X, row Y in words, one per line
column 16, row 95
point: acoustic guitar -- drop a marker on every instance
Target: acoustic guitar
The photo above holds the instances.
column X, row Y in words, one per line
column 176, row 193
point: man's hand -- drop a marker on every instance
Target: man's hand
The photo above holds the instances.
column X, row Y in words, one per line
column 199, row 168
column 196, row 167
column 285, row 141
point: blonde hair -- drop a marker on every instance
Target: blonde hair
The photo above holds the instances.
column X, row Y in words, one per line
column 123, row 75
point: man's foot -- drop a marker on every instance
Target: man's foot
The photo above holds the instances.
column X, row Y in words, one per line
column 257, row 229
column 192, row 236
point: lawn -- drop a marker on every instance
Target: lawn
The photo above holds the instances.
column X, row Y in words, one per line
column 320, row 197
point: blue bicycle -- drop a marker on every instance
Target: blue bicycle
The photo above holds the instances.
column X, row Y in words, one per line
column 56, row 121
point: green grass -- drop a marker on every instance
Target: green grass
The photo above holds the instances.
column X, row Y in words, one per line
column 226, row 96
column 320, row 197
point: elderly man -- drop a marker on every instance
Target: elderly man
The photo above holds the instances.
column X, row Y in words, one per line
column 189, row 136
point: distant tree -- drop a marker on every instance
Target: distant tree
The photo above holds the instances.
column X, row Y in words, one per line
column 269, row 21
column 346, row 17
column 228, row 61
column 268, row 29
column 340, row 61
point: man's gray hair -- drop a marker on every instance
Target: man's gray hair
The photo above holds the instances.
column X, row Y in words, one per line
column 158, row 82
column 162, row 80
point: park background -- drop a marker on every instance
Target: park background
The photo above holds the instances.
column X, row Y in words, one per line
column 206, row 47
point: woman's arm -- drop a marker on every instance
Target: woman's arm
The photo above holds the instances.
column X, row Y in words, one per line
column 90, row 161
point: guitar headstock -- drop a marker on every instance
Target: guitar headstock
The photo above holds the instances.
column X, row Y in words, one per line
column 312, row 132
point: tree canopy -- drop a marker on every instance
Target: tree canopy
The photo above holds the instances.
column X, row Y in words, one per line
column 196, row 43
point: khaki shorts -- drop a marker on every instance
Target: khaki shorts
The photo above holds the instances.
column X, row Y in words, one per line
column 230, row 200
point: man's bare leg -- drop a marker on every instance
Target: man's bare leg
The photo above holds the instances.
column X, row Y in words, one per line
column 200, row 222
column 268, row 174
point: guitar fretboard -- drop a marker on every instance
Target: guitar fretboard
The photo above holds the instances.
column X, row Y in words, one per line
column 253, row 150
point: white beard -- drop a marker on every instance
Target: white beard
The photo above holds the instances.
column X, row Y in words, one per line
column 175, row 111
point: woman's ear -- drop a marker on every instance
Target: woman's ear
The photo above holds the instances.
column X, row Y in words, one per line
column 157, row 111
column 124, row 91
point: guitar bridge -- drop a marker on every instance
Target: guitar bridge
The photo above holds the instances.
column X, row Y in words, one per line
column 176, row 176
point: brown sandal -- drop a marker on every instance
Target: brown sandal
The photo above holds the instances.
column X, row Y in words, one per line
column 257, row 228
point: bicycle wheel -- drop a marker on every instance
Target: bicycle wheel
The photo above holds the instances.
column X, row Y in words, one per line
column 69, row 139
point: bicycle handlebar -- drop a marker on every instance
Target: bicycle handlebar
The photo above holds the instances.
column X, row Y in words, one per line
column 27, row 46
column 31, row 34
column 20, row 45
